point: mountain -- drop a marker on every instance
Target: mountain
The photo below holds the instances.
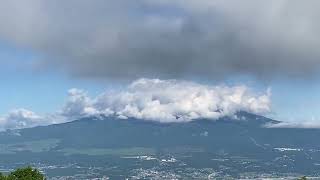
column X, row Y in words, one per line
column 118, row 148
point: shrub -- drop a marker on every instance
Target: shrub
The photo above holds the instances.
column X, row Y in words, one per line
column 27, row 173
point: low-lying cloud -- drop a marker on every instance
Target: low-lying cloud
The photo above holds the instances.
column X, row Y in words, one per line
column 151, row 99
column 168, row 38
column 23, row 118
column 169, row 101
column 20, row 118
column 308, row 124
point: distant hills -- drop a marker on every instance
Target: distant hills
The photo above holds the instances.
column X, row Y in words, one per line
column 234, row 144
column 244, row 134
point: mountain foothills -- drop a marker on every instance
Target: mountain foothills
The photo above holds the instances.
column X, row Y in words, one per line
column 100, row 146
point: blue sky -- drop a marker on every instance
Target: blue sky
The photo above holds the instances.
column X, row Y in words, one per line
column 99, row 46
column 23, row 86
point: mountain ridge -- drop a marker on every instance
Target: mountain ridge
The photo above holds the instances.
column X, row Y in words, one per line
column 111, row 142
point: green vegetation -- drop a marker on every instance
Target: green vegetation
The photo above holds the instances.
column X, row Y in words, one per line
column 303, row 178
column 135, row 151
column 32, row 146
column 27, row 173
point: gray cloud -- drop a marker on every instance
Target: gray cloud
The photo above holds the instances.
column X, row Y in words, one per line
column 168, row 38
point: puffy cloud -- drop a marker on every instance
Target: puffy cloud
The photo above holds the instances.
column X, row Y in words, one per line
column 168, row 38
column 20, row 118
column 150, row 99
column 78, row 104
column 169, row 101
column 23, row 118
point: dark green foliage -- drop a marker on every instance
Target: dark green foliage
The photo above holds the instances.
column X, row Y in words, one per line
column 2, row 176
column 303, row 178
column 27, row 173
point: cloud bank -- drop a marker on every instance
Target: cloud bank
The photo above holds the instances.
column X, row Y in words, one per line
column 23, row 118
column 168, row 38
column 151, row 99
column 308, row 124
column 20, row 118
column 169, row 101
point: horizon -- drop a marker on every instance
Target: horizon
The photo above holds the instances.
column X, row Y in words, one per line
column 169, row 89
column 43, row 56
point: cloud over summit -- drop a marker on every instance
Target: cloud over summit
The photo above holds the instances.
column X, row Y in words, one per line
column 170, row 39
column 165, row 100
column 151, row 99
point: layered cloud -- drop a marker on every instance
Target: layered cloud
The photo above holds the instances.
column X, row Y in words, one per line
column 151, row 99
column 168, row 38
column 178, row 101
column 308, row 124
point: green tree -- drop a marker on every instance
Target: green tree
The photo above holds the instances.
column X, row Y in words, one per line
column 2, row 176
column 27, row 173
column 303, row 178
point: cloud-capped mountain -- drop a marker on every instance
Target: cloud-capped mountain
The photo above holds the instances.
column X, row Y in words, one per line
column 111, row 132
column 99, row 139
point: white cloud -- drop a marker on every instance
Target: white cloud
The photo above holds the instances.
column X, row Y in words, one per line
column 307, row 124
column 78, row 104
column 150, row 99
column 20, row 118
column 169, row 101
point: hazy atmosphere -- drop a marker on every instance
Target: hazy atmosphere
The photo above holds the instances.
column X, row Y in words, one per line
column 159, row 89
column 258, row 56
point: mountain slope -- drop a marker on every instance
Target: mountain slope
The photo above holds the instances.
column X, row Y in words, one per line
column 230, row 146
column 225, row 133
